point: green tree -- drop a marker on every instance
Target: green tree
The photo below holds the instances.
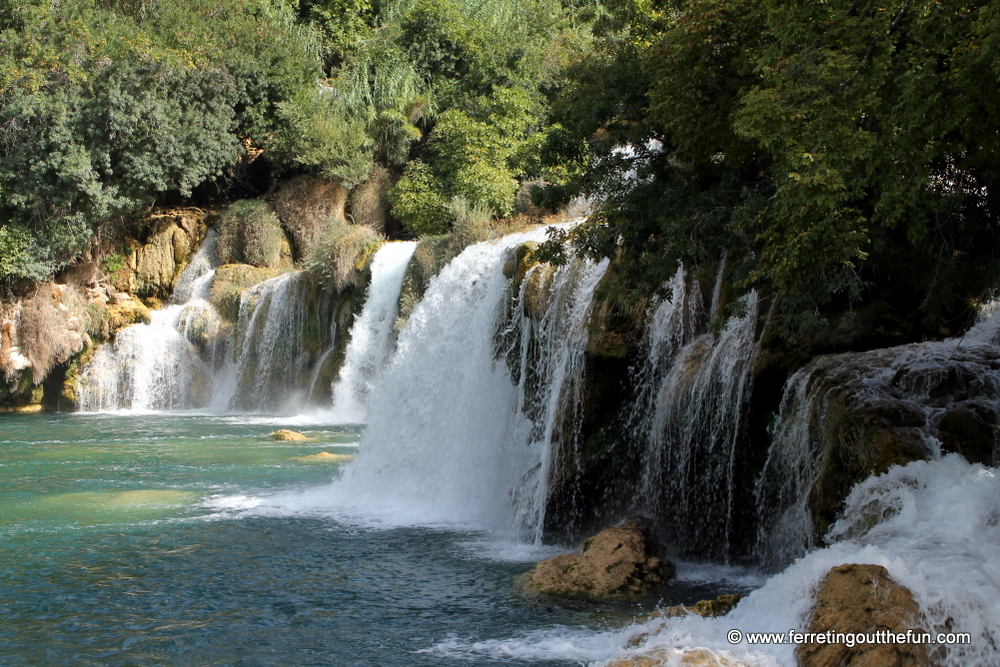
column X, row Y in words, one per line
column 842, row 149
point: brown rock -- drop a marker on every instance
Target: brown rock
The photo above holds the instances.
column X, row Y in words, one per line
column 617, row 562
column 229, row 283
column 125, row 310
column 287, row 435
column 702, row 657
column 863, row 598
column 720, row 606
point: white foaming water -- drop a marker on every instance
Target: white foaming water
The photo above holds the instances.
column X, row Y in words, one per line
column 692, row 393
column 912, row 377
column 269, row 360
column 445, row 410
column 156, row 366
column 939, row 536
column 371, row 336
column 148, row 367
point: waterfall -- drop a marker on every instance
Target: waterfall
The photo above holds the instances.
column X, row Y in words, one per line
column 371, row 336
column 692, row 389
column 446, row 408
column 550, row 363
column 195, row 281
column 270, row 359
column 907, row 389
column 157, row 366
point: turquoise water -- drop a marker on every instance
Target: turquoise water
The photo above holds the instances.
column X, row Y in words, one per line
column 131, row 540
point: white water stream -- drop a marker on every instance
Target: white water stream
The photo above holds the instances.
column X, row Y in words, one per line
column 156, row 366
column 371, row 336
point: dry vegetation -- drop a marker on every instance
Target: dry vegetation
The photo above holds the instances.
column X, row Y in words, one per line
column 342, row 255
column 305, row 205
column 250, row 233
column 50, row 328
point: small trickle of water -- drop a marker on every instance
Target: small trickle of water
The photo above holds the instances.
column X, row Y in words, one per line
column 550, row 380
column 195, row 281
column 371, row 336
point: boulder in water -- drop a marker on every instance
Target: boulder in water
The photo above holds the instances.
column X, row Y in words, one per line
column 862, row 598
column 617, row 562
column 720, row 606
column 677, row 657
column 287, row 435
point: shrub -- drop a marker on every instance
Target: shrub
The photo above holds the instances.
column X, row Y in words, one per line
column 305, row 205
column 47, row 335
column 418, row 201
column 113, row 264
column 250, row 233
column 343, row 254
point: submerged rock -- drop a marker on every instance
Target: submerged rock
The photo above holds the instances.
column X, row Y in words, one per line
column 617, row 562
column 674, row 657
column 324, row 457
column 720, row 606
column 862, row 598
column 287, row 435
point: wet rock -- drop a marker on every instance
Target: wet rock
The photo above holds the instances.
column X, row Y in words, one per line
column 849, row 416
column 720, row 606
column 285, row 434
column 862, row 598
column 970, row 430
column 153, row 264
column 537, row 290
column 676, row 657
column 125, row 310
column 617, row 562
column 520, row 260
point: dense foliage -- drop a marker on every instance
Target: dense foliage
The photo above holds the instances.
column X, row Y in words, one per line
column 840, row 152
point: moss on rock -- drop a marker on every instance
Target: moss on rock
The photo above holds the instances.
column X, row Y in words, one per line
column 230, row 282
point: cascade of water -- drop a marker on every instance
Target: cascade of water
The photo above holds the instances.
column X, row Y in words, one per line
column 691, row 399
column 371, row 336
column 195, row 281
column 148, row 367
column 932, row 524
column 269, row 360
column 446, row 408
column 920, row 382
column 550, row 370
column 156, row 366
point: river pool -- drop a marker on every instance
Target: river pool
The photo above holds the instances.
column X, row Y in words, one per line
column 155, row 539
